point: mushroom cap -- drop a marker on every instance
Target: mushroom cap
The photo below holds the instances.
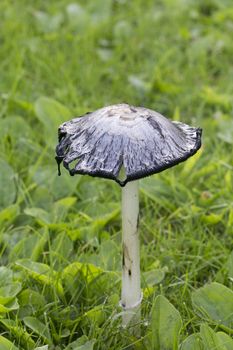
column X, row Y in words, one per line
column 137, row 140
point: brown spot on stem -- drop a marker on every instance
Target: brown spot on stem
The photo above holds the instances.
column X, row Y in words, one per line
column 126, row 254
column 129, row 272
column 138, row 222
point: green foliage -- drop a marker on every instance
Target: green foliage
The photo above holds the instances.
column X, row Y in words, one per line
column 41, row 273
column 38, row 327
column 8, row 187
column 225, row 341
column 166, row 324
column 60, row 237
column 6, row 344
column 19, row 333
column 215, row 301
column 192, row 342
column 51, row 114
column 81, row 344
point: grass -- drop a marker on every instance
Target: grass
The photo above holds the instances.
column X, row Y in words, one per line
column 60, row 237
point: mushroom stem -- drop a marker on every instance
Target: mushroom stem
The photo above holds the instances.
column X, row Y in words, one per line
column 131, row 292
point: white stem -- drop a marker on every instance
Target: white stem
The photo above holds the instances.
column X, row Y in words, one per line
column 131, row 292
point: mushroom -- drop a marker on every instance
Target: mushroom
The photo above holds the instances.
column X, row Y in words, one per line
column 125, row 143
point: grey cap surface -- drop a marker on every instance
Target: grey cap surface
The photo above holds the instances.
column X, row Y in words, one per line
column 136, row 139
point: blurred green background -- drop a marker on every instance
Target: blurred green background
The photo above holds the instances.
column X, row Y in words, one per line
column 60, row 59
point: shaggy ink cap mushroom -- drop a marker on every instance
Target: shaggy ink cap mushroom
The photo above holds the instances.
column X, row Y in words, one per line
column 137, row 140
column 126, row 143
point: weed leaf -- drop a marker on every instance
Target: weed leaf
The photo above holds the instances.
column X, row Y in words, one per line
column 210, row 339
column 214, row 301
column 192, row 342
column 7, row 188
column 51, row 114
column 8, row 292
column 5, row 344
column 38, row 327
column 166, row 325
column 19, row 332
column 41, row 273
column 225, row 340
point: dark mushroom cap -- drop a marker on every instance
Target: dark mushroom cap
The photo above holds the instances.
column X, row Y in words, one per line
column 136, row 139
